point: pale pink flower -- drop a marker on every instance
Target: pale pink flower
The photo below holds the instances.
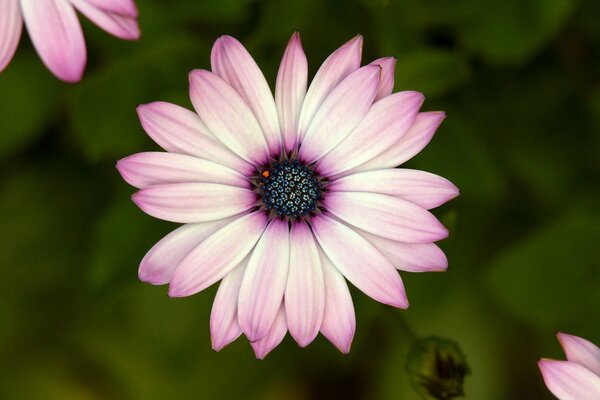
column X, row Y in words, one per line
column 56, row 33
column 579, row 377
column 283, row 197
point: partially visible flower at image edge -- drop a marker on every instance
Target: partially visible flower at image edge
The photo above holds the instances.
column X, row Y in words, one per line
column 578, row 378
column 286, row 197
column 55, row 31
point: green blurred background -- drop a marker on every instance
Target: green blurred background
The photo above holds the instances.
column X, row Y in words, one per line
column 519, row 81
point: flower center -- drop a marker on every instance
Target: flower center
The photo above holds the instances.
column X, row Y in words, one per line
column 289, row 189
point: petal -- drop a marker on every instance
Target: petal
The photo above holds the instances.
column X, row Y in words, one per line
column 216, row 256
column 119, row 25
column 159, row 264
column 290, row 90
column 273, row 337
column 179, row 130
column 304, row 293
column 339, row 320
column 11, row 24
column 124, row 7
column 226, row 115
column 411, row 257
column 56, row 35
column 417, row 137
column 193, row 202
column 581, row 351
column 384, row 124
column 422, row 188
column 264, row 282
column 570, row 381
column 386, row 82
column 231, row 61
column 386, row 216
column 360, row 262
column 154, row 168
column 224, row 327
column 334, row 69
column 340, row 113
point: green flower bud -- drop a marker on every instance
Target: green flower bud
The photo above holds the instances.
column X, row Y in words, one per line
column 437, row 368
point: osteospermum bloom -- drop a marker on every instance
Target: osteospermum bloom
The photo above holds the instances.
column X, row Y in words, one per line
column 56, row 33
column 578, row 378
column 283, row 197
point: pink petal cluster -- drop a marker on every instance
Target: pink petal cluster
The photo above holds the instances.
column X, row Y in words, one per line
column 578, row 378
column 56, row 33
column 280, row 272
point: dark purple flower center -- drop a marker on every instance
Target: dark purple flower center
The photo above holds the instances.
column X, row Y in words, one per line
column 290, row 189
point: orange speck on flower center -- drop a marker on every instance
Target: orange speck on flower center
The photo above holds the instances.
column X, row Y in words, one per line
column 265, row 174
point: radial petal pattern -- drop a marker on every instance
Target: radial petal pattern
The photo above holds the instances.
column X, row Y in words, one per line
column 55, row 31
column 286, row 197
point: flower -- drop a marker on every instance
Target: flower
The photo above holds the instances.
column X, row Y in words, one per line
column 56, row 33
column 578, row 378
column 282, row 198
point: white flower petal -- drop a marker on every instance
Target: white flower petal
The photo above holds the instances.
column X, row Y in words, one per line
column 274, row 336
column 11, row 25
column 360, row 262
column 56, row 35
column 386, row 216
column 264, row 282
column 216, row 256
column 290, row 90
column 339, row 320
column 159, row 264
column 119, row 25
column 304, row 293
column 422, row 188
column 581, row 351
column 224, row 326
column 334, row 69
column 385, row 123
column 340, row 113
column 155, row 168
column 194, row 202
column 228, row 116
column 178, row 130
column 386, row 83
column 570, row 381
column 124, row 7
column 232, row 62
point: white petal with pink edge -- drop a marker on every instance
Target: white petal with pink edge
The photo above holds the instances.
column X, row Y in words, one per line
column 274, row 336
column 409, row 145
column 158, row 168
column 216, row 256
column 119, row 25
column 125, row 7
column 228, row 116
column 224, row 326
column 231, row 61
column 178, row 130
column 340, row 113
column 422, row 188
column 570, row 381
column 290, row 90
column 159, row 264
column 386, row 216
column 360, row 262
column 385, row 123
column 57, row 36
column 264, row 282
column 305, row 292
column 11, row 25
column 339, row 320
column 581, row 351
column 410, row 257
column 386, row 82
column 193, row 202
column 334, row 69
